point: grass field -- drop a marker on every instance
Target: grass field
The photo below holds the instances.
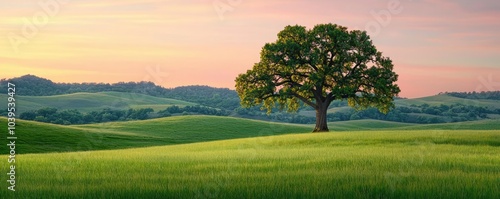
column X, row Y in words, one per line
column 225, row 157
column 35, row 137
column 86, row 102
column 364, row 164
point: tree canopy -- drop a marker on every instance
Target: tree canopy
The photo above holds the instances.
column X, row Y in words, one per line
column 317, row 66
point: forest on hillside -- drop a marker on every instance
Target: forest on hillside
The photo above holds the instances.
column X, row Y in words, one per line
column 30, row 85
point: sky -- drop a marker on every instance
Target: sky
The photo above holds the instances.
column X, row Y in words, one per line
column 435, row 45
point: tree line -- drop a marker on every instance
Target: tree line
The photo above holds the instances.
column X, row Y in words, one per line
column 491, row 95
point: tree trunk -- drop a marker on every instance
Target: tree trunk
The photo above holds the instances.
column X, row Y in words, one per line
column 321, row 120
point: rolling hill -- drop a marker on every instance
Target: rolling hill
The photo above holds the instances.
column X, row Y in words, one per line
column 446, row 99
column 30, row 85
column 364, row 164
column 86, row 102
column 35, row 137
column 226, row 157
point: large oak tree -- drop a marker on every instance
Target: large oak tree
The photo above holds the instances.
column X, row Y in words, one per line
column 317, row 66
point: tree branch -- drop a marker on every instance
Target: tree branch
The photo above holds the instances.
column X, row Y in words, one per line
column 305, row 100
column 289, row 82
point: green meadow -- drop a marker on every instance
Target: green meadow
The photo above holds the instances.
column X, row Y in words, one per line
column 36, row 137
column 224, row 157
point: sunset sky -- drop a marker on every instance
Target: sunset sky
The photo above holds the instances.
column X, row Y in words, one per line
column 436, row 45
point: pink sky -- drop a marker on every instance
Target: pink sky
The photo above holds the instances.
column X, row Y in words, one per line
column 436, row 45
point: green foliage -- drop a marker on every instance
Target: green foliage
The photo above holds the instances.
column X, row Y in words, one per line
column 323, row 64
column 394, row 164
column 30, row 85
column 67, row 117
column 194, row 110
column 316, row 67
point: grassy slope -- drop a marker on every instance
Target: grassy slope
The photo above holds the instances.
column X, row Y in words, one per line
column 198, row 127
column 34, row 137
column 362, row 125
column 37, row 137
column 390, row 164
column 94, row 101
column 448, row 100
column 369, row 124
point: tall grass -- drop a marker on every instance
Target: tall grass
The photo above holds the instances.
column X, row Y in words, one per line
column 35, row 137
column 381, row 164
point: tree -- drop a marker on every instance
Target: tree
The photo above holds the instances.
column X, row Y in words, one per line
column 318, row 66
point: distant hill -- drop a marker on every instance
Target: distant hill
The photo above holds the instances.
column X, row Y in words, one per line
column 493, row 95
column 449, row 99
column 86, row 102
column 35, row 93
column 30, row 85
